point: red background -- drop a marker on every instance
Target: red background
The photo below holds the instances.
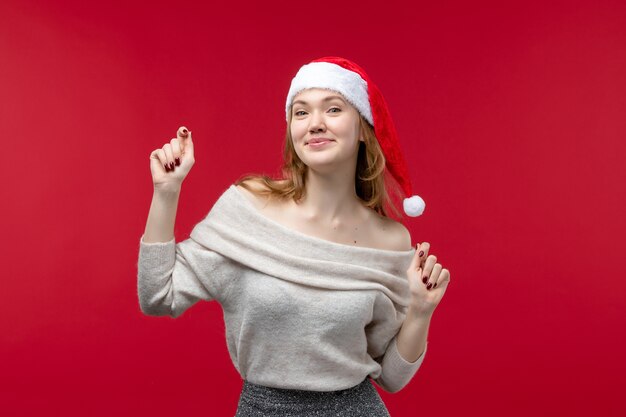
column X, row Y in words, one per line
column 511, row 114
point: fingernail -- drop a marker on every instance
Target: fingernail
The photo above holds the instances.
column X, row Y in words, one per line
column 172, row 165
column 435, row 286
column 425, row 279
column 428, row 286
column 166, row 168
column 421, row 253
column 177, row 161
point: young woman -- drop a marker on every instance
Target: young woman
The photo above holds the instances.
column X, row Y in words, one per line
column 321, row 290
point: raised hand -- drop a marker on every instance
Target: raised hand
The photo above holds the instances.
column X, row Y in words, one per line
column 428, row 280
column 171, row 163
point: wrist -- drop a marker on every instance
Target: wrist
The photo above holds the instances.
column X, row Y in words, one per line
column 167, row 189
column 419, row 314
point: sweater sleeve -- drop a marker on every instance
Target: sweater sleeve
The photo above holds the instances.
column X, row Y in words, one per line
column 397, row 372
column 171, row 277
column 382, row 331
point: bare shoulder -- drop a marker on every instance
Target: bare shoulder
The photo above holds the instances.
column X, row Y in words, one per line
column 395, row 236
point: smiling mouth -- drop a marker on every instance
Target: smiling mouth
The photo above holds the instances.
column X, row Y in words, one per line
column 319, row 142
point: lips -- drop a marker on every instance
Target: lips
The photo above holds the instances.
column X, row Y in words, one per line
column 318, row 140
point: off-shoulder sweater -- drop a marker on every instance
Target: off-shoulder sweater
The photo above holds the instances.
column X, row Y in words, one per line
column 300, row 312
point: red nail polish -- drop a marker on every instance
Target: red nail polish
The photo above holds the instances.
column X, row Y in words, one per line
column 421, row 253
column 177, row 161
column 425, row 279
column 428, row 286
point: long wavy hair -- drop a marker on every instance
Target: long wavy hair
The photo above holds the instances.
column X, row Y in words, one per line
column 372, row 180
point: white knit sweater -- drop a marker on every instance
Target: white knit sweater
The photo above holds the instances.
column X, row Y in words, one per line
column 300, row 312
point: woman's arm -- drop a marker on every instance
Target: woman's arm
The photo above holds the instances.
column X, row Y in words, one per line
column 169, row 167
column 173, row 276
column 412, row 336
column 162, row 214
column 383, row 345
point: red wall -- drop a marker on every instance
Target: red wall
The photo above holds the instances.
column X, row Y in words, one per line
column 511, row 114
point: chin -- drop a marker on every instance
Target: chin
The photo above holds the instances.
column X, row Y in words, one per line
column 324, row 164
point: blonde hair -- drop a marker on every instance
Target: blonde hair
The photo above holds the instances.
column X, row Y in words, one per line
column 371, row 177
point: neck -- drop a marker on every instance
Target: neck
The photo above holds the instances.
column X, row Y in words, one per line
column 330, row 198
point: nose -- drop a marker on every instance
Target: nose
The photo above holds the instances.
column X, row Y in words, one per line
column 317, row 122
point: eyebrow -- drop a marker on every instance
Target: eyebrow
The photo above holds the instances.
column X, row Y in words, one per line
column 324, row 100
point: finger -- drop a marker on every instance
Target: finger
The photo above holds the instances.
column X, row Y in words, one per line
column 176, row 150
column 423, row 252
column 434, row 276
column 182, row 132
column 159, row 155
column 186, row 141
column 443, row 279
column 167, row 148
column 428, row 267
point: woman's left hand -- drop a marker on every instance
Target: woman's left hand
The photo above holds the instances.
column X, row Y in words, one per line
column 428, row 281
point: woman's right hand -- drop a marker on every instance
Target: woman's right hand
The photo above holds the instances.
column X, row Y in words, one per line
column 171, row 163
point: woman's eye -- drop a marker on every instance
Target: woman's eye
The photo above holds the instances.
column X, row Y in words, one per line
column 335, row 108
column 296, row 113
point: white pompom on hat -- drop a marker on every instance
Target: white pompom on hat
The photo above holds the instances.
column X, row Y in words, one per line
column 348, row 79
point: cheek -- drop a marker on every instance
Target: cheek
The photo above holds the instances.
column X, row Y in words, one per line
column 296, row 130
column 349, row 131
column 349, row 126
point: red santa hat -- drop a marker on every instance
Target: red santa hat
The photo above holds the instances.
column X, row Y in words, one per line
column 348, row 79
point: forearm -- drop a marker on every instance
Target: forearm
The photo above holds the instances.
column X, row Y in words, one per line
column 162, row 216
column 411, row 339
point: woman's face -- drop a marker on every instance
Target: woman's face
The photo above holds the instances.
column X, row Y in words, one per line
column 319, row 114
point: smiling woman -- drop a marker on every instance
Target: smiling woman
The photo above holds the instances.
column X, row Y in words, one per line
column 323, row 97
column 323, row 121
column 310, row 269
